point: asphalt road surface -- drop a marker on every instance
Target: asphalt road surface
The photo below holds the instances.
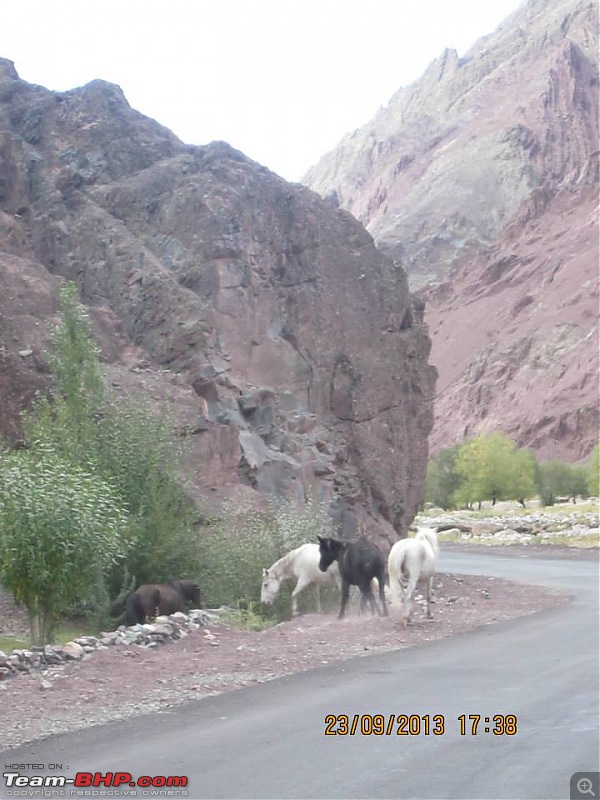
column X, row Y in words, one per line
column 268, row 741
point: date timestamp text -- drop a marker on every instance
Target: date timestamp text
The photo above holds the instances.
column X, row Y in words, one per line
column 418, row 724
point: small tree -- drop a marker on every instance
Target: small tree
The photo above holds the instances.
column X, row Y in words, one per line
column 492, row 468
column 558, row 479
column 66, row 420
column 123, row 443
column 60, row 531
column 442, row 480
column 521, row 477
column 135, row 450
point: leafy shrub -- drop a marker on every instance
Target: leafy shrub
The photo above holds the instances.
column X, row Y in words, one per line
column 60, row 531
column 235, row 549
column 121, row 445
column 556, row 479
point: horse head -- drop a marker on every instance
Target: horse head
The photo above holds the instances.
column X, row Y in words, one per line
column 329, row 550
column 269, row 587
column 193, row 594
column 189, row 591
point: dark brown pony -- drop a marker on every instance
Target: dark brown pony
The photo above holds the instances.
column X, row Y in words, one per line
column 164, row 598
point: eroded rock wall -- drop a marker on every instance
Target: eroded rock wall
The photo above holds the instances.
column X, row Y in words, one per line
column 290, row 345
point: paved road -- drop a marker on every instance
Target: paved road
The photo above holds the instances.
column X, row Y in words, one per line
column 268, row 741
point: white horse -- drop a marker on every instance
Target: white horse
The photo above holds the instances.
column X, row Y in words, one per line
column 302, row 564
column 411, row 561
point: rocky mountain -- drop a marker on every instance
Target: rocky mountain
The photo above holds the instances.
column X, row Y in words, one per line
column 481, row 178
column 289, row 346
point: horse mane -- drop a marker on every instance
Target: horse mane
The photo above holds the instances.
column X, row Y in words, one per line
column 282, row 565
column 430, row 536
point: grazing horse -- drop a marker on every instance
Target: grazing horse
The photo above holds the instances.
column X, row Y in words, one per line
column 302, row 564
column 190, row 591
column 411, row 561
column 151, row 599
column 359, row 561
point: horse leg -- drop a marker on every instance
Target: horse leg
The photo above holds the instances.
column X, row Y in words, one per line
column 429, row 584
column 318, row 598
column 345, row 595
column 397, row 590
column 408, row 593
column 373, row 603
column 362, row 603
column 366, row 596
column 302, row 584
column 381, row 582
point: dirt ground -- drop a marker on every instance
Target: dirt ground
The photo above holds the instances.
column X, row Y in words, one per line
column 123, row 681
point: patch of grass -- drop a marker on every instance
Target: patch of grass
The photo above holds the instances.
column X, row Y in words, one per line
column 8, row 643
column 585, row 540
column 444, row 536
column 247, row 619
column 66, row 631
column 503, row 509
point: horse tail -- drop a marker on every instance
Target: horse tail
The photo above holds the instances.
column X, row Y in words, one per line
column 430, row 536
column 117, row 607
column 396, row 562
column 196, row 596
column 133, row 610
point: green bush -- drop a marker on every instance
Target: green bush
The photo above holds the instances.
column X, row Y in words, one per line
column 61, row 530
column 492, row 468
column 556, row 479
column 236, row 548
column 122, row 445
column 135, row 450
column 442, row 480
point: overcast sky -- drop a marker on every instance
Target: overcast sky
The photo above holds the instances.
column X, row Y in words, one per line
column 281, row 80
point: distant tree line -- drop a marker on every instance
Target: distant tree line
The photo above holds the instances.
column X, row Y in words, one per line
column 492, row 468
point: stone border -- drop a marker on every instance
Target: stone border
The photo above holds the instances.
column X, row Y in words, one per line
column 151, row 634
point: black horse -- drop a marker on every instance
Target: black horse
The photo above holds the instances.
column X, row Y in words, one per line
column 359, row 561
column 151, row 599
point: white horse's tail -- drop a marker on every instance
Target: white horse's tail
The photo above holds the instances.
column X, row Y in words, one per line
column 395, row 570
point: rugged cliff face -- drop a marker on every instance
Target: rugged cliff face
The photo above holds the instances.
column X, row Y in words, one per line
column 290, row 346
column 482, row 177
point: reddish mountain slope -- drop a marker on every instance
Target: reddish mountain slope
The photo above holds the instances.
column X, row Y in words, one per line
column 482, row 178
